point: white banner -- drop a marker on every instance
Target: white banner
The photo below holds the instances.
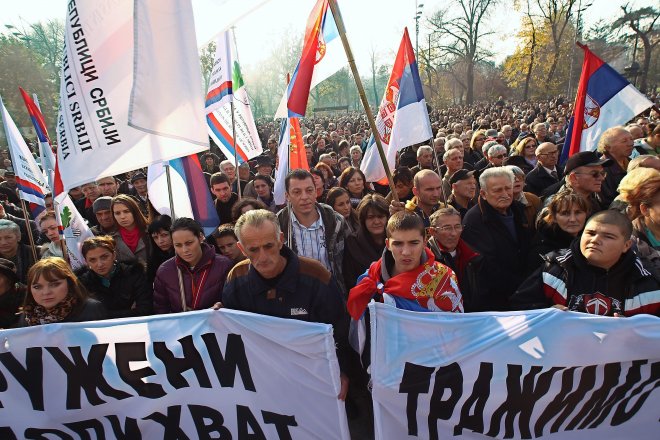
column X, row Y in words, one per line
column 75, row 229
column 100, row 75
column 198, row 375
column 522, row 375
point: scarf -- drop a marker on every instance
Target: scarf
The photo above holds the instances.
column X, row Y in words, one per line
column 433, row 285
column 36, row 314
column 131, row 238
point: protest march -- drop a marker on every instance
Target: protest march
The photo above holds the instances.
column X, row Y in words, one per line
column 469, row 250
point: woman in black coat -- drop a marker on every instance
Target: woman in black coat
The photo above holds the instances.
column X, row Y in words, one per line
column 161, row 244
column 365, row 245
column 558, row 225
column 121, row 287
column 56, row 295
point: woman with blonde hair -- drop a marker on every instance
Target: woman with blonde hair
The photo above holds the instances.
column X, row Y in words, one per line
column 474, row 154
column 640, row 188
column 526, row 148
column 56, row 295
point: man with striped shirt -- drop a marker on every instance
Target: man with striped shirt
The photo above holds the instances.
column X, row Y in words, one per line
column 312, row 229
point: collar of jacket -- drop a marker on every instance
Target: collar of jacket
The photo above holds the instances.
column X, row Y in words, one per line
column 327, row 216
column 490, row 214
column 288, row 281
column 208, row 254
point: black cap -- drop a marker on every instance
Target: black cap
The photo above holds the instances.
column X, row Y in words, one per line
column 264, row 161
column 8, row 269
column 138, row 176
column 459, row 175
column 586, row 159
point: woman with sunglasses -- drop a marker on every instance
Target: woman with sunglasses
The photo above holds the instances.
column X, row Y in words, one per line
column 526, row 148
column 474, row 154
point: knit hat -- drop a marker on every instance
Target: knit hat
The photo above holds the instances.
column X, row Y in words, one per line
column 8, row 269
column 102, row 204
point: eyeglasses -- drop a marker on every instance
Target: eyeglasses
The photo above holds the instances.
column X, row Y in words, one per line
column 595, row 174
column 480, row 139
column 530, row 146
column 449, row 228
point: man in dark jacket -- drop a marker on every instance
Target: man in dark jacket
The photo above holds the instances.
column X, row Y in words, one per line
column 274, row 281
column 450, row 250
column 599, row 274
column 497, row 229
column 547, row 172
column 615, row 143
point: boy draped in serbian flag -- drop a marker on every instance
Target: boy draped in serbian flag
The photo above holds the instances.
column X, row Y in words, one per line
column 406, row 276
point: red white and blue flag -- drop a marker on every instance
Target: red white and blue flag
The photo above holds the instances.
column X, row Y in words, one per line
column 187, row 178
column 604, row 99
column 220, row 84
column 31, row 183
column 402, row 118
column 322, row 56
column 45, row 148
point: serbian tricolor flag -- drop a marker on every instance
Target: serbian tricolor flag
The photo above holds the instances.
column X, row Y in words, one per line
column 604, row 99
column 402, row 118
column 322, row 55
column 291, row 156
column 31, row 183
column 45, row 148
column 220, row 85
column 189, row 194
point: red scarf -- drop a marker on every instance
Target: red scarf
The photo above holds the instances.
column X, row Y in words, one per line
column 131, row 238
column 429, row 281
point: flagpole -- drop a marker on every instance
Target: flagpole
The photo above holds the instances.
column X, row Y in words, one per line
column 60, row 230
column 29, row 231
column 437, row 165
column 41, row 153
column 233, row 135
column 169, row 189
column 363, row 97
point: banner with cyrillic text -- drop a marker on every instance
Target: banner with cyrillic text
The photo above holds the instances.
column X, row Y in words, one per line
column 198, row 375
column 521, row 375
column 131, row 88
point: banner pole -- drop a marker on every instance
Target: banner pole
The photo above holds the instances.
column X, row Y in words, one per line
column 29, row 231
column 233, row 135
column 363, row 96
column 437, row 165
column 169, row 189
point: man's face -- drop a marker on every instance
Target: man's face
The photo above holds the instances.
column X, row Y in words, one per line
column 406, row 247
column 498, row 192
column 439, row 146
column 105, row 219
column 465, row 187
column 262, row 245
column 227, row 247
column 496, row 159
column 425, row 159
column 621, row 144
column 11, row 180
column 447, row 231
column 8, row 243
column 548, row 155
column 507, row 132
column 359, row 137
column 264, row 170
column 222, row 191
column 588, row 179
column 644, row 123
column 454, row 162
column 141, row 186
column 262, row 189
column 229, row 170
column 602, row 244
column 320, row 144
column 91, row 191
column 540, row 132
column 334, row 136
column 302, row 195
column 108, row 186
column 429, row 191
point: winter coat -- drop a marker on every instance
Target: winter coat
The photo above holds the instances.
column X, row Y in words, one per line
column 360, row 251
column 129, row 293
column 537, row 180
column 210, row 273
column 548, row 238
column 124, row 253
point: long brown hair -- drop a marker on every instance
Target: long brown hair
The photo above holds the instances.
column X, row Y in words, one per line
column 52, row 269
column 132, row 206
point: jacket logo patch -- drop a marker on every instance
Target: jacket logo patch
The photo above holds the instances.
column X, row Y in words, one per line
column 297, row 311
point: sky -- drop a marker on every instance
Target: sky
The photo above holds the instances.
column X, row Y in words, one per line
column 371, row 24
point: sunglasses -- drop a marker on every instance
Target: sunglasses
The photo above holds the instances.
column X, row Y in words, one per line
column 595, row 174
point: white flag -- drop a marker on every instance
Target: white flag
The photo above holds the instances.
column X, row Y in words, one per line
column 159, row 193
column 31, row 182
column 75, row 229
column 110, row 60
column 220, row 84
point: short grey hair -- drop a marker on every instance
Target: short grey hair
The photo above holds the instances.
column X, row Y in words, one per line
column 487, row 146
column 355, row 148
column 226, row 162
column 449, row 153
column 516, row 170
column 424, row 149
column 8, row 225
column 496, row 149
column 491, row 173
column 255, row 218
column 453, row 143
column 449, row 210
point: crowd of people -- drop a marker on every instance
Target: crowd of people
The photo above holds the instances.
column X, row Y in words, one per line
column 482, row 217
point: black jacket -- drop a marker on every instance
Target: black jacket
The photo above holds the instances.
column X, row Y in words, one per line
column 537, row 180
column 129, row 293
column 548, row 238
column 504, row 256
column 566, row 278
column 10, row 302
column 305, row 291
column 610, row 187
column 359, row 252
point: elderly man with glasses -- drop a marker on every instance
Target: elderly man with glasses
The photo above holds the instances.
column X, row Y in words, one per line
column 584, row 174
column 547, row 172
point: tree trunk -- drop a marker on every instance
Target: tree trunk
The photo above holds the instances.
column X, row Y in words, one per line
column 470, row 82
column 553, row 66
column 647, row 62
column 528, row 77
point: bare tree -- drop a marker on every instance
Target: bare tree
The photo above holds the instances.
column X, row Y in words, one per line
column 459, row 32
column 642, row 23
column 557, row 14
column 532, row 51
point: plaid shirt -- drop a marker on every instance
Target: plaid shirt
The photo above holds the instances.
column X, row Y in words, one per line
column 310, row 241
